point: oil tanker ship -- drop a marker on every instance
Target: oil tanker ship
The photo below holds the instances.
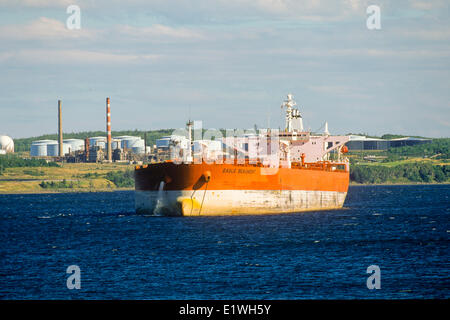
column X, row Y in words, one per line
column 271, row 172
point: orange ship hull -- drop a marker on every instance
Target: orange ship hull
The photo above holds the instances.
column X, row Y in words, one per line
column 222, row 189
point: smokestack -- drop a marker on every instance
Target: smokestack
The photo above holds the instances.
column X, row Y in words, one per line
column 60, row 132
column 189, row 150
column 108, row 130
column 145, row 143
column 86, row 149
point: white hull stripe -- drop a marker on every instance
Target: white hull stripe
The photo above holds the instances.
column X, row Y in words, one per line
column 226, row 202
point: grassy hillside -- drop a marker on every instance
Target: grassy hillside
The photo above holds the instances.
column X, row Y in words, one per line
column 423, row 163
column 438, row 148
column 67, row 177
column 14, row 161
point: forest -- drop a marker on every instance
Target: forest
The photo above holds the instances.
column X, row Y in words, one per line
column 402, row 173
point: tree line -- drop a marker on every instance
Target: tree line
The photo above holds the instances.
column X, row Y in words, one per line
column 439, row 148
column 408, row 172
column 13, row 161
column 122, row 179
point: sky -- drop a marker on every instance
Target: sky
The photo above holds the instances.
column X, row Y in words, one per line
column 229, row 63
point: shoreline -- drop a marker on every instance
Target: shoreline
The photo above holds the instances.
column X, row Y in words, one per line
column 398, row 183
column 66, row 191
column 352, row 184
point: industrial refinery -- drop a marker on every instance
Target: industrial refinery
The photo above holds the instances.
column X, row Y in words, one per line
column 93, row 149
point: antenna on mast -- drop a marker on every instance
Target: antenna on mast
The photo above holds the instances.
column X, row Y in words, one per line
column 325, row 131
column 292, row 114
column 189, row 125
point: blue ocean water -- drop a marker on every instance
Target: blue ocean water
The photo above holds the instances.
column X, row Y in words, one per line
column 313, row 255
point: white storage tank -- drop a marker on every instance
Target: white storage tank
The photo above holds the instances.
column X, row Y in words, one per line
column 116, row 144
column 119, row 139
column 6, row 144
column 98, row 141
column 136, row 143
column 38, row 150
column 43, row 141
column 39, row 147
column 128, row 142
column 74, row 144
column 53, row 149
column 138, row 150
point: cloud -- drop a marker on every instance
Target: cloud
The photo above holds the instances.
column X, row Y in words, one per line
column 308, row 10
column 412, row 53
column 427, row 5
column 437, row 34
column 243, row 11
column 158, row 32
column 46, row 29
column 69, row 57
column 37, row 3
column 43, row 29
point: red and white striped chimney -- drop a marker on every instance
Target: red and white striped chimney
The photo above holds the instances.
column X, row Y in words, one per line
column 108, row 129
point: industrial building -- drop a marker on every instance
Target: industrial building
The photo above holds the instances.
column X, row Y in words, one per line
column 163, row 142
column 407, row 141
column 364, row 143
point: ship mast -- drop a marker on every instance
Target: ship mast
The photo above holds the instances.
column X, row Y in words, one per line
column 291, row 114
column 189, row 149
